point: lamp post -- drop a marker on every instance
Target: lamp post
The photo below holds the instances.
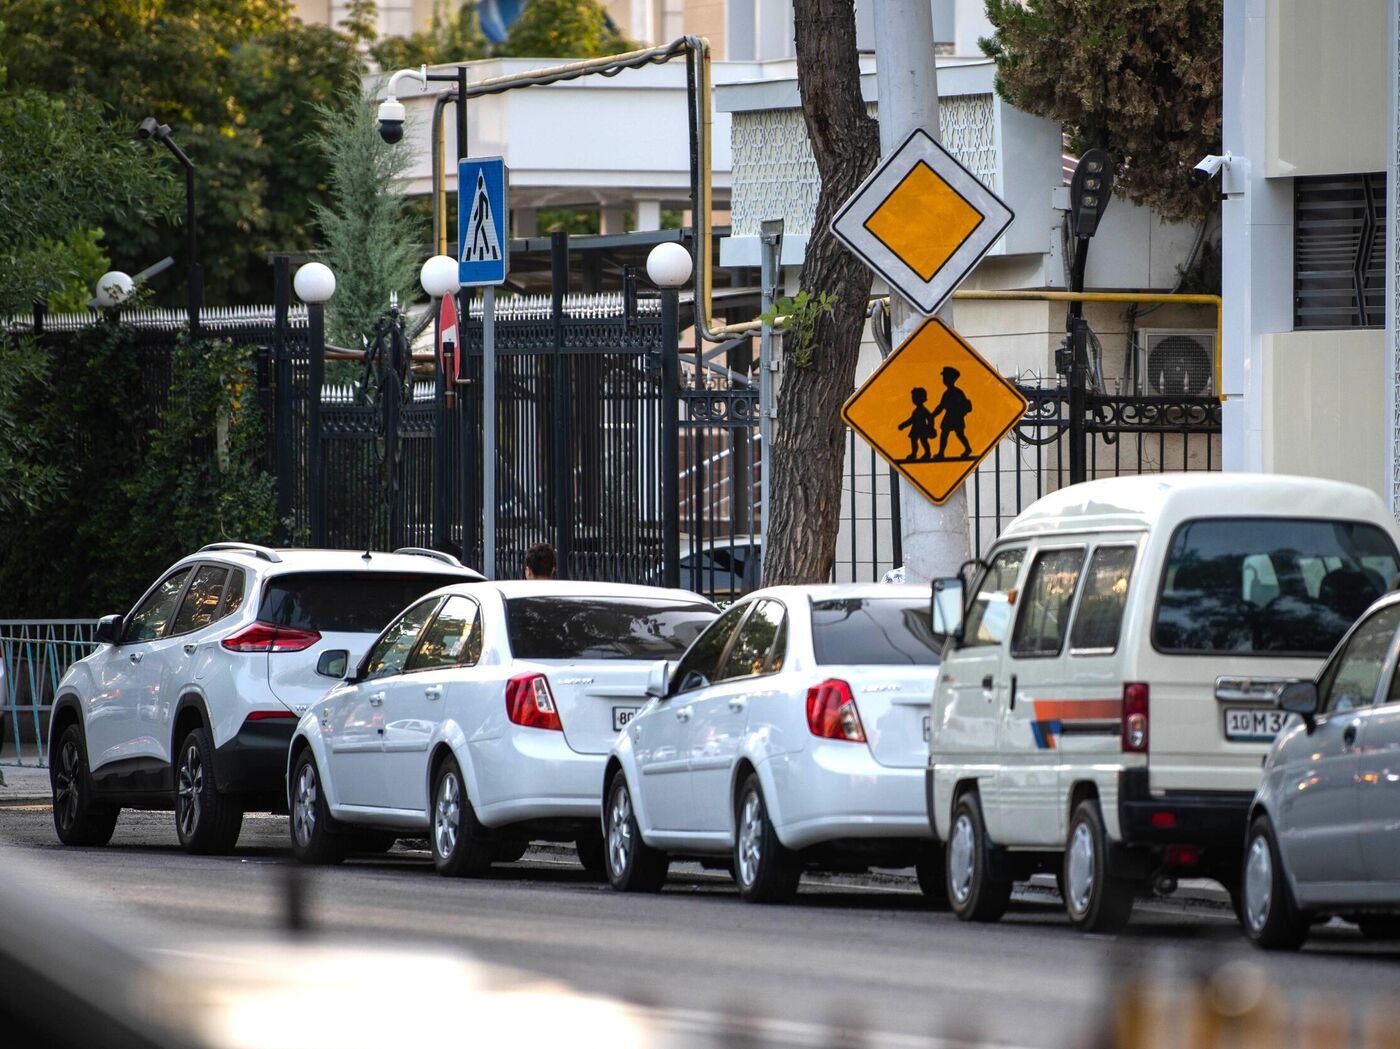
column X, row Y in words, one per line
column 669, row 266
column 439, row 277
column 1089, row 194
column 150, row 128
column 314, row 284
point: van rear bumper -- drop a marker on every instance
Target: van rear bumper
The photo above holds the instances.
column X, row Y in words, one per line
column 1206, row 818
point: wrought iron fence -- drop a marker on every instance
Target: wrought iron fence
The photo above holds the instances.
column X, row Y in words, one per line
column 34, row 656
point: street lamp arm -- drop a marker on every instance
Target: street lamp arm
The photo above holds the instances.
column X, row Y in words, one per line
column 179, row 153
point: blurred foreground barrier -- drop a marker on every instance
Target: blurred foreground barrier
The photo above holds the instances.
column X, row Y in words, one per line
column 34, row 655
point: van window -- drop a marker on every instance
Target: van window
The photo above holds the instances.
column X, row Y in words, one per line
column 1044, row 618
column 991, row 608
column 1269, row 585
column 1099, row 617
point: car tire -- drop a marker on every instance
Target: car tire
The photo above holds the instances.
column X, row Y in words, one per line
column 632, row 865
column 1379, row 926
column 974, row 894
column 78, row 818
column 591, row 851
column 314, row 836
column 461, row 844
column 765, row 870
column 1271, row 917
column 1094, row 900
column 372, row 842
column 207, row 822
column 933, row 878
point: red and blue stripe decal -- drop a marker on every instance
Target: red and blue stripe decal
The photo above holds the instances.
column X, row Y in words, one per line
column 1051, row 718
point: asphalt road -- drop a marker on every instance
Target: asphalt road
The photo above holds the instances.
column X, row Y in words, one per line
column 864, row 955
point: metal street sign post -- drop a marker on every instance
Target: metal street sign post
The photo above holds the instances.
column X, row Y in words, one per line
column 922, row 221
column 483, row 258
column 934, row 409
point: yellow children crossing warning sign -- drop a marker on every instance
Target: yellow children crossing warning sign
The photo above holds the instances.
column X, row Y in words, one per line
column 934, row 409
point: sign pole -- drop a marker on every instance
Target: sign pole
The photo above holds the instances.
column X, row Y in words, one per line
column 935, row 538
column 771, row 244
column 488, row 431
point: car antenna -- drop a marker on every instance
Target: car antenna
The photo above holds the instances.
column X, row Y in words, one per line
column 365, row 556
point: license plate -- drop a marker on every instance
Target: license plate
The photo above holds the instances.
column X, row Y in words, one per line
column 1257, row 726
column 622, row 717
column 926, row 735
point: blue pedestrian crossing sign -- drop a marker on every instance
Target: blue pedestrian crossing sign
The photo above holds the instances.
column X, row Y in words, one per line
column 483, row 240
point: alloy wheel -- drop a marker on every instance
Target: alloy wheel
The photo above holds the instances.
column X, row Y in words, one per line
column 66, row 784
column 191, row 787
column 620, row 830
column 447, row 815
column 750, row 838
column 304, row 806
column 1081, row 868
column 1258, row 882
column 960, row 858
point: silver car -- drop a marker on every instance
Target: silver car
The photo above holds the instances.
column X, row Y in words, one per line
column 1324, row 830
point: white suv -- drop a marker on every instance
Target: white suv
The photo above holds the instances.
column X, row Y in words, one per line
column 191, row 699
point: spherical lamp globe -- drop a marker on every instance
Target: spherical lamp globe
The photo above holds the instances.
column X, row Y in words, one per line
column 439, row 276
column 113, row 288
column 314, row 283
column 669, row 265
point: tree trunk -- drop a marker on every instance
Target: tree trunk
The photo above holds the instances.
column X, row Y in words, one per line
column 809, row 446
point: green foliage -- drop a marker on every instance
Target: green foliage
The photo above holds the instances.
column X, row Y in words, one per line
column 1142, row 78
column 798, row 314
column 82, row 249
column 573, row 221
column 141, row 485
column 29, row 480
column 451, row 36
column 370, row 243
column 564, row 29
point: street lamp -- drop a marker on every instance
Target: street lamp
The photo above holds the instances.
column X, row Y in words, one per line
column 314, row 284
column 150, row 128
column 440, row 276
column 113, row 288
column 669, row 266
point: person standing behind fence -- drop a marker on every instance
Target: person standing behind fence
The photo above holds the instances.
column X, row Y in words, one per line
column 540, row 562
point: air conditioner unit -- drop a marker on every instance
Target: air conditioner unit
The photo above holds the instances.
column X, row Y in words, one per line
column 1175, row 362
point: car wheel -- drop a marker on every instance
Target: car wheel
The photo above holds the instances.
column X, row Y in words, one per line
column 461, row 844
column 314, row 839
column 632, row 864
column 1271, row 918
column 1094, row 900
column 1379, row 926
column 765, row 869
column 207, row 822
column 973, row 893
column 372, row 842
column 933, row 881
column 77, row 817
column 590, row 852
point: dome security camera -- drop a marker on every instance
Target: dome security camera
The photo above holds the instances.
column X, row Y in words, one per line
column 391, row 118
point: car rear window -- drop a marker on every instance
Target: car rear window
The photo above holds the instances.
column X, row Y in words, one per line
column 1269, row 585
column 602, row 627
column 345, row 602
column 882, row 631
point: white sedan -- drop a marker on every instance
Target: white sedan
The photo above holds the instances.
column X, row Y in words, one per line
column 482, row 717
column 793, row 733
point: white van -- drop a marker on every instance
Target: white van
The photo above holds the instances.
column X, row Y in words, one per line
column 1108, row 696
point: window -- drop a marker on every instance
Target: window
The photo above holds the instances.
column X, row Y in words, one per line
column 150, row 619
column 1044, row 616
column 1350, row 680
column 991, row 608
column 1339, row 251
column 698, row 665
column 557, row 627
column 233, row 594
column 883, row 631
column 201, row 604
column 453, row 639
column 344, row 602
column 1254, row 586
column 749, row 655
column 1099, row 617
column 391, row 651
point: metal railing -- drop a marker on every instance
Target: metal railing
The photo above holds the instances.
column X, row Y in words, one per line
column 34, row 656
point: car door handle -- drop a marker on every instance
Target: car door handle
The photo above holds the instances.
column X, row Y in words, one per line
column 988, row 683
column 433, row 691
column 1012, row 694
column 738, row 703
column 189, row 649
column 1349, row 734
column 682, row 713
column 136, row 657
column 376, row 699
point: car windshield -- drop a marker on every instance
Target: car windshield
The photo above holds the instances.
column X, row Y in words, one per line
column 603, row 627
column 344, row 602
column 874, row 631
column 1269, row 585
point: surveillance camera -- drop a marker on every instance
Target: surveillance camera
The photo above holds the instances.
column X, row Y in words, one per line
column 147, row 128
column 1210, row 166
column 391, row 117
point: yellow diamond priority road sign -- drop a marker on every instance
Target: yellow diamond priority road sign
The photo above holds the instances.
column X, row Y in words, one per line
column 934, row 409
column 922, row 221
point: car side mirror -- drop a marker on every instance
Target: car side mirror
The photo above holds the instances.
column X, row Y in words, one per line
column 946, row 608
column 658, row 679
column 109, row 630
column 334, row 663
column 1300, row 697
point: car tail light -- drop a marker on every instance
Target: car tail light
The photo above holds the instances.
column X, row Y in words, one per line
column 1135, row 721
column 265, row 637
column 831, row 712
column 1183, row 855
column 1163, row 820
column 529, row 702
column 270, row 715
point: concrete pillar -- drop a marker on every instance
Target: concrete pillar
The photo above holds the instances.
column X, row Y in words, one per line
column 526, row 222
column 613, row 221
column 648, row 215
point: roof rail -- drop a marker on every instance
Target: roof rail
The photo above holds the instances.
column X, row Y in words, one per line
column 436, row 555
column 244, row 548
